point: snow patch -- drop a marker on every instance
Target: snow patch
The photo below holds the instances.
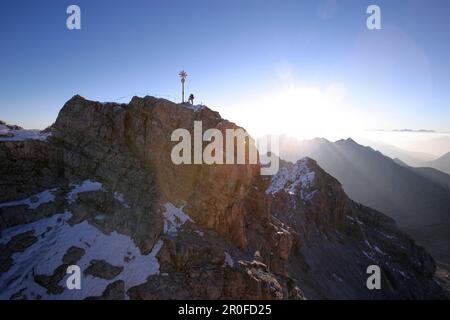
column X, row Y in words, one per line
column 193, row 107
column 7, row 134
column 386, row 235
column 308, row 196
column 368, row 255
column 200, row 233
column 354, row 219
column 119, row 197
column 293, row 179
column 403, row 274
column 33, row 201
column 379, row 250
column 85, row 186
column 174, row 218
column 337, row 277
column 228, row 260
column 56, row 236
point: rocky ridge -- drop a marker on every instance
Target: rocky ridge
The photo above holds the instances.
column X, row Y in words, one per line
column 101, row 191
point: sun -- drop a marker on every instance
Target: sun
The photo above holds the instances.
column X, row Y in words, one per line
column 298, row 110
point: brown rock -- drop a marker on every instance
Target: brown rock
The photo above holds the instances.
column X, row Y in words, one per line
column 102, row 269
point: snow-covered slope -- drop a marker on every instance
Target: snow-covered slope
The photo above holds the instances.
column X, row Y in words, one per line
column 295, row 178
column 54, row 238
column 39, row 269
column 15, row 133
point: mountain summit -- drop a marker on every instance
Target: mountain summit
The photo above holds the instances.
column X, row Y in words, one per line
column 419, row 200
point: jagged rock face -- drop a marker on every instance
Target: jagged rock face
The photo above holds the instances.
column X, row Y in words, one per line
column 100, row 191
column 34, row 166
column 105, row 169
column 215, row 195
column 339, row 239
column 24, row 169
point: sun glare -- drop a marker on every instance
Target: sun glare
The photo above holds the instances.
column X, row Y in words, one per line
column 298, row 111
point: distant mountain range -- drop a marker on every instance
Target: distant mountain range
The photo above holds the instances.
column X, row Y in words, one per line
column 411, row 158
column 417, row 198
column 432, row 174
column 441, row 163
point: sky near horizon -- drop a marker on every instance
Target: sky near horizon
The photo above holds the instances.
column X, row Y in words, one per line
column 304, row 68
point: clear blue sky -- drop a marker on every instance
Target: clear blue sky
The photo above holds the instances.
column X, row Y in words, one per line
column 233, row 51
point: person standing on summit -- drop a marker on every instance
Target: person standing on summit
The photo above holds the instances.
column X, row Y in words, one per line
column 191, row 99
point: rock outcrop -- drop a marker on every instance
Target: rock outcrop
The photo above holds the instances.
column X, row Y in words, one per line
column 100, row 191
column 339, row 239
